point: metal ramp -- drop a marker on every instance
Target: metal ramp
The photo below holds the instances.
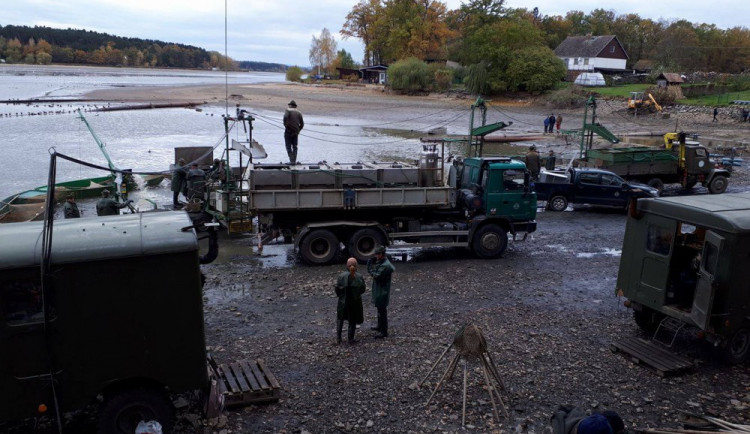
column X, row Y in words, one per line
column 641, row 351
column 668, row 330
column 245, row 382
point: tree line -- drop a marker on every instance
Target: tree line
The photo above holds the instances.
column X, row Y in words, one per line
column 501, row 46
column 45, row 45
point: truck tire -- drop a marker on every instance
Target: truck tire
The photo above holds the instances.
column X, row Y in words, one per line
column 121, row 413
column 647, row 319
column 557, row 203
column 656, row 183
column 737, row 349
column 490, row 241
column 319, row 247
column 363, row 242
column 718, row 184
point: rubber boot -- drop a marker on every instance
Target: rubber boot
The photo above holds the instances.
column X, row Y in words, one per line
column 352, row 330
column 339, row 329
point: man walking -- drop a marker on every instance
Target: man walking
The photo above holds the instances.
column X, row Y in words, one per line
column 716, row 112
column 109, row 206
column 381, row 270
column 350, row 286
column 71, row 208
column 178, row 182
column 293, row 124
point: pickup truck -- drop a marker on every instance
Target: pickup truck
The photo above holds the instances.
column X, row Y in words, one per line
column 590, row 186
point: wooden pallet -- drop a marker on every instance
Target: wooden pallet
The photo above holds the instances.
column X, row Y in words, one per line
column 642, row 351
column 247, row 382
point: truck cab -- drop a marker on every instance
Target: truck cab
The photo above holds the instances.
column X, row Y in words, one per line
column 119, row 319
column 685, row 258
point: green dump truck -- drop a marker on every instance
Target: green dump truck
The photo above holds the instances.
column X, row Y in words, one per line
column 686, row 259
column 119, row 322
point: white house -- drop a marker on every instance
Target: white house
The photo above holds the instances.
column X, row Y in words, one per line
column 592, row 53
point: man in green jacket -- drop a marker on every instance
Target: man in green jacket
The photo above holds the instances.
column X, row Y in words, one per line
column 178, row 182
column 350, row 286
column 381, row 270
column 109, row 206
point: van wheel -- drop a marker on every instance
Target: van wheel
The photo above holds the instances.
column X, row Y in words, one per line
column 656, row 183
column 490, row 241
column 718, row 185
column 319, row 247
column 737, row 350
column 121, row 413
column 363, row 242
column 558, row 203
column 647, row 319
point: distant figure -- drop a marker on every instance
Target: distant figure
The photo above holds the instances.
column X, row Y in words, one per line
column 533, row 162
column 558, row 123
column 71, row 208
column 551, row 123
column 745, row 114
column 109, row 206
column 293, row 124
column 551, row 160
column 350, row 286
column 178, row 182
column 716, row 112
column 218, row 171
column 381, row 270
column 196, row 182
column 546, row 125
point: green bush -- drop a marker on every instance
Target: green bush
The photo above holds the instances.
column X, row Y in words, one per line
column 476, row 79
column 442, row 76
column 294, row 73
column 534, row 69
column 409, row 75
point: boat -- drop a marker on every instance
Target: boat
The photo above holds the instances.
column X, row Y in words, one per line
column 29, row 205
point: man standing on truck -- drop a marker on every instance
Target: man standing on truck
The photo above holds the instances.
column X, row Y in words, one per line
column 350, row 286
column 381, row 270
column 293, row 124
column 109, row 206
column 533, row 162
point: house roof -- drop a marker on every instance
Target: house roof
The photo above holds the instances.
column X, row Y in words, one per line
column 584, row 46
column 671, row 77
column 374, row 68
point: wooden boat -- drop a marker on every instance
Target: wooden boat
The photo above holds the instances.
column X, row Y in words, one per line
column 29, row 205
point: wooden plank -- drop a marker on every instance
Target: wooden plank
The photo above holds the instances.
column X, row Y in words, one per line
column 269, row 374
column 237, row 371
column 249, row 375
column 259, row 376
column 641, row 351
column 635, row 350
column 227, row 376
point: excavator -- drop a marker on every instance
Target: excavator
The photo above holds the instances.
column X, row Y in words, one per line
column 642, row 100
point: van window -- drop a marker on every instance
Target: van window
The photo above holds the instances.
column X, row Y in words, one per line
column 659, row 240
column 590, row 178
column 22, row 301
column 710, row 258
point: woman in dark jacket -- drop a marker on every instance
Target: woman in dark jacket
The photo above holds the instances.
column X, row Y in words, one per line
column 350, row 286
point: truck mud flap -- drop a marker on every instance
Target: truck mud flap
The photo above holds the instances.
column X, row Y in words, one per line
column 244, row 382
column 641, row 351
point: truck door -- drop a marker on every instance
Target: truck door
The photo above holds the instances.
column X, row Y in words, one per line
column 705, row 288
column 588, row 188
column 505, row 190
column 611, row 191
column 654, row 270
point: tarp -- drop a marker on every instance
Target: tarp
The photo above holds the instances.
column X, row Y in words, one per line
column 590, row 79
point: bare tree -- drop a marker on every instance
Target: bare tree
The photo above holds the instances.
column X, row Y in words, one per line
column 323, row 51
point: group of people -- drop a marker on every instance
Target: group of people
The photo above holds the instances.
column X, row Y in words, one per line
column 534, row 162
column 551, row 122
column 350, row 285
column 104, row 206
column 191, row 181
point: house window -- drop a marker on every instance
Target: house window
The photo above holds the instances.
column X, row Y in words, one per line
column 575, row 61
column 612, row 49
column 586, row 61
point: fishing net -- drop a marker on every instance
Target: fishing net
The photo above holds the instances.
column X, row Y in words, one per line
column 469, row 341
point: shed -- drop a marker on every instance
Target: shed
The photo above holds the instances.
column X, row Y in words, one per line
column 374, row 74
column 666, row 79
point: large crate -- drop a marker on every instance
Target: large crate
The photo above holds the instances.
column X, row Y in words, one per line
column 636, row 154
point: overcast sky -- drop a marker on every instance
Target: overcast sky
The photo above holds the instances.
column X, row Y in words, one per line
column 280, row 31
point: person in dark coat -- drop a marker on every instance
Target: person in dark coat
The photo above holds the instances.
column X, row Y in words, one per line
column 546, row 125
column 551, row 160
column 196, row 182
column 71, row 208
column 533, row 162
column 552, row 121
column 350, row 286
column 716, row 112
column 178, row 182
column 109, row 206
column 381, row 270
column 293, row 124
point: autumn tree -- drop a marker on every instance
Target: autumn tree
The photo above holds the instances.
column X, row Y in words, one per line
column 361, row 23
column 323, row 51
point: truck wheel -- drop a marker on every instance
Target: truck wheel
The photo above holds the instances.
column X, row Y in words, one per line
column 122, row 412
column 319, row 247
column 737, row 349
column 363, row 242
column 647, row 319
column 490, row 241
column 718, row 184
column 656, row 183
column 558, row 203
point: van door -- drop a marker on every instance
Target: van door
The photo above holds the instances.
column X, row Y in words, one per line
column 705, row 288
column 654, row 272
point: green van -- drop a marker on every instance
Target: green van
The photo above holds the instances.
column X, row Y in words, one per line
column 687, row 258
column 119, row 323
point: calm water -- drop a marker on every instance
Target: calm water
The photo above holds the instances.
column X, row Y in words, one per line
column 144, row 140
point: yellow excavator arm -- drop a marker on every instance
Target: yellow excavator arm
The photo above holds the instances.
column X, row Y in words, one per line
column 656, row 104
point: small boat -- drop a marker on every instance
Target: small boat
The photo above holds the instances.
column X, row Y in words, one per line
column 29, row 205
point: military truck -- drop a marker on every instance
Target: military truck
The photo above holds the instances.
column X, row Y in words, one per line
column 320, row 206
column 118, row 324
column 687, row 164
column 686, row 259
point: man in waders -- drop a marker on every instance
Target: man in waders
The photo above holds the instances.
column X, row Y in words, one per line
column 381, row 270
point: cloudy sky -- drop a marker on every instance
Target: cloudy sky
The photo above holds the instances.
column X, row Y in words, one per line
column 280, row 31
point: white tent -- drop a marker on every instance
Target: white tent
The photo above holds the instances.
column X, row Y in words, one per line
column 590, row 79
